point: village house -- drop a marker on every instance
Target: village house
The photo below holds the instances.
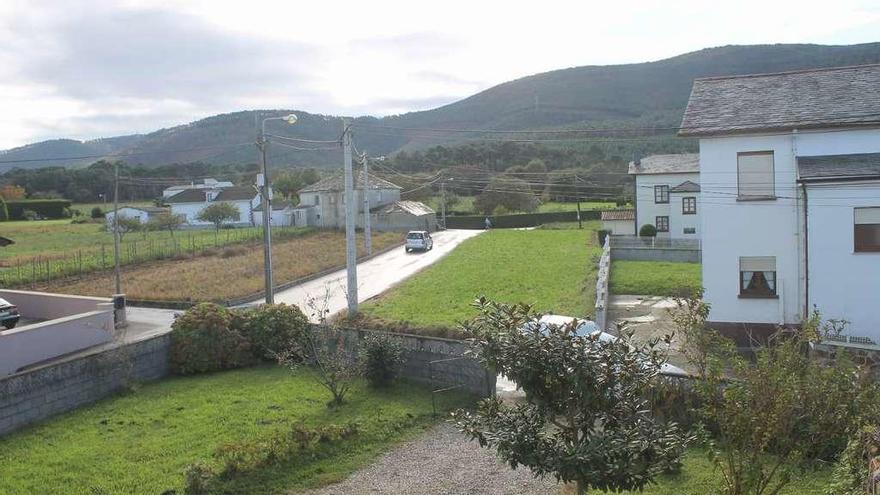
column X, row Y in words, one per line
column 188, row 203
column 790, row 196
column 619, row 222
column 667, row 194
column 143, row 214
column 204, row 184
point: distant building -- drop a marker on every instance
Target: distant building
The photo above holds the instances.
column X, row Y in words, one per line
column 619, row 222
column 402, row 216
column 282, row 214
column 142, row 213
column 190, row 202
column 204, row 184
column 667, row 194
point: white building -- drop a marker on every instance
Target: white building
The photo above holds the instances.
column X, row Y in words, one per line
column 282, row 214
column 790, row 196
column 142, row 213
column 204, row 184
column 619, row 222
column 667, row 194
column 190, row 202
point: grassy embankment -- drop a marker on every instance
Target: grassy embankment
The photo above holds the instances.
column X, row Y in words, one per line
column 656, row 278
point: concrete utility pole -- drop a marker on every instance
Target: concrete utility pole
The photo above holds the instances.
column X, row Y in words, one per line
column 443, row 202
column 368, row 231
column 116, row 226
column 350, row 212
column 266, row 203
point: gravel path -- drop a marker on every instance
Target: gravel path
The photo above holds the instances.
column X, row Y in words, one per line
column 440, row 462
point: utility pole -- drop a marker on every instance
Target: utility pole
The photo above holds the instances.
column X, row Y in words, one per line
column 116, row 226
column 368, row 231
column 266, row 203
column 443, row 203
column 350, row 212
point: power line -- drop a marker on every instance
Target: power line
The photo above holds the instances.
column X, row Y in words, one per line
column 122, row 155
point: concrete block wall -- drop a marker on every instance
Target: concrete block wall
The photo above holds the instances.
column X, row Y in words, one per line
column 34, row 395
column 656, row 254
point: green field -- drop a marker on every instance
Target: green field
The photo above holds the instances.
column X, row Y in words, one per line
column 551, row 269
column 655, row 278
column 465, row 204
column 140, row 443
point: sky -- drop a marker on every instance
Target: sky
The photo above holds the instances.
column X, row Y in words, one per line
column 84, row 69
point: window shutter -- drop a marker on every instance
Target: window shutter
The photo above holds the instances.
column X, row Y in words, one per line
column 755, row 175
column 757, row 264
column 867, row 216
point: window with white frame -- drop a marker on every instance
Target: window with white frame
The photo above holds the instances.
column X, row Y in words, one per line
column 866, row 230
column 661, row 194
column 757, row 276
column 755, row 176
column 662, row 224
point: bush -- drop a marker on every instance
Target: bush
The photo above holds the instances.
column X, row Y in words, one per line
column 4, row 212
column 274, row 329
column 207, row 338
column 851, row 476
column 46, row 208
column 382, row 357
column 602, row 234
column 29, row 215
column 97, row 212
column 648, row 230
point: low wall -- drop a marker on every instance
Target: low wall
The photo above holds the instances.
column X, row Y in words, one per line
column 657, row 254
column 477, row 222
column 48, row 306
column 435, row 361
column 603, row 276
column 37, row 394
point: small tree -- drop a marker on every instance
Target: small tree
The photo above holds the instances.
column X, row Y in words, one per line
column 586, row 419
column 381, row 357
column 167, row 221
column 648, row 230
column 125, row 223
column 97, row 212
column 509, row 192
column 219, row 214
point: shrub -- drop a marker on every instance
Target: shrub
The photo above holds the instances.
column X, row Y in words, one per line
column 851, row 476
column 382, row 357
column 29, row 215
column 4, row 212
column 602, row 234
column 275, row 329
column 97, row 212
column 46, row 208
column 207, row 338
column 197, row 479
column 648, row 230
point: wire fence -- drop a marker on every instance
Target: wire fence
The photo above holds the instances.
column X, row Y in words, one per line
column 183, row 244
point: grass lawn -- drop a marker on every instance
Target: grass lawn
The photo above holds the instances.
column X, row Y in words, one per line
column 656, row 278
column 140, row 443
column 227, row 273
column 551, row 269
column 466, row 204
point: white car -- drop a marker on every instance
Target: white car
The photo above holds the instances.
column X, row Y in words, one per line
column 419, row 240
column 587, row 327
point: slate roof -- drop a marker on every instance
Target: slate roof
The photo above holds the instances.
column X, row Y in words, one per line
column 337, row 183
column 414, row 208
column 148, row 209
column 806, row 99
column 236, row 193
column 857, row 165
column 610, row 215
column 686, row 187
column 666, row 164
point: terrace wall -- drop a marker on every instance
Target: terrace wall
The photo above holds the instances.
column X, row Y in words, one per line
column 633, row 248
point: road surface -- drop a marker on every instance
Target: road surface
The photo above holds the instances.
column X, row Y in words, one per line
column 374, row 276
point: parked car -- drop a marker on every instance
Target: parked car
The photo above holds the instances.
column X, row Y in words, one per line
column 419, row 240
column 8, row 314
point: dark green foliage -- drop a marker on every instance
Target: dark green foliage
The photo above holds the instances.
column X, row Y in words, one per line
column 648, row 230
column 382, row 358
column 97, row 212
column 46, row 208
column 274, row 329
column 206, row 338
column 4, row 212
column 601, row 234
column 219, row 214
column 851, row 475
column 586, row 419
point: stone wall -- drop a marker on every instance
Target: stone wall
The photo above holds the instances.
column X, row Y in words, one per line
column 603, row 274
column 657, row 254
column 34, row 395
column 437, row 362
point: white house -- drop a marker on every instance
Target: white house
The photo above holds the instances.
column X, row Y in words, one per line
column 282, row 214
column 142, row 213
column 619, row 222
column 190, row 202
column 667, row 194
column 790, row 196
column 204, row 184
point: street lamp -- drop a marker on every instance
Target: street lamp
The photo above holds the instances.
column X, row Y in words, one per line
column 266, row 203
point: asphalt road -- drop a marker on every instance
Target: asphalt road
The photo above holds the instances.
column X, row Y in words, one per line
column 374, row 276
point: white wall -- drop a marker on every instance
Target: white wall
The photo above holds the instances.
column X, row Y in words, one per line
column 678, row 221
column 141, row 215
column 279, row 218
column 647, row 210
column 734, row 228
column 619, row 227
column 191, row 212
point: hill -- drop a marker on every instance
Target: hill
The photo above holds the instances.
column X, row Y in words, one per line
column 631, row 95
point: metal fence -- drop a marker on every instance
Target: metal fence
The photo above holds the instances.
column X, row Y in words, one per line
column 630, row 241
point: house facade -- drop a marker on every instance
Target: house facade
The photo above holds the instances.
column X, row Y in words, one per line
column 667, row 194
column 142, row 213
column 189, row 203
column 327, row 196
column 619, row 222
column 203, row 184
column 791, row 215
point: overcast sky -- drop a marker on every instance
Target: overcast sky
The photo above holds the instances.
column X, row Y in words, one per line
column 91, row 68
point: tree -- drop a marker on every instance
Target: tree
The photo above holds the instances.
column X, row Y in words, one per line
column 11, row 192
column 290, row 181
column 4, row 212
column 586, row 419
column 167, row 221
column 219, row 213
column 125, row 225
column 511, row 193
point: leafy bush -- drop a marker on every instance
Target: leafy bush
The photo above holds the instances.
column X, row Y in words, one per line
column 97, row 212
column 851, row 475
column 275, row 329
column 46, row 208
column 648, row 230
column 207, row 338
column 29, row 215
column 382, row 357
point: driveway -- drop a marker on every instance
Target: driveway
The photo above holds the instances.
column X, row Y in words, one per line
column 648, row 318
column 374, row 276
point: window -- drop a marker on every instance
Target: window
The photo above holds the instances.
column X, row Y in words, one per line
column 866, row 231
column 662, row 224
column 757, row 276
column 690, row 230
column 754, row 175
column 661, row 194
column 317, row 199
column 689, row 205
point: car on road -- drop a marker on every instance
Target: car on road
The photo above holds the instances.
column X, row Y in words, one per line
column 8, row 314
column 419, row 240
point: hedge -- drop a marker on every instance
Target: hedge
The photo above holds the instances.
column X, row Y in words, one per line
column 518, row 221
column 47, row 208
